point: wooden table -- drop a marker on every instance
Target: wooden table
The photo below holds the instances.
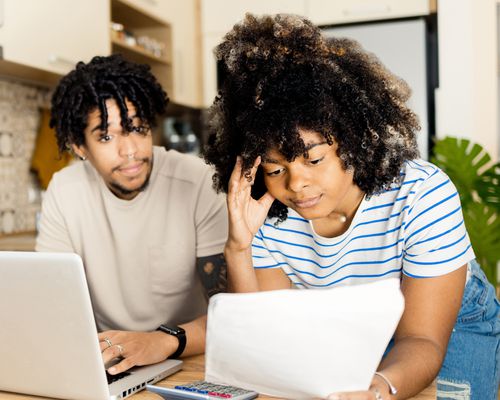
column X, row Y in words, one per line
column 192, row 370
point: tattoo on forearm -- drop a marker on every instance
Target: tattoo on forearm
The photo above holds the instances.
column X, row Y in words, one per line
column 213, row 274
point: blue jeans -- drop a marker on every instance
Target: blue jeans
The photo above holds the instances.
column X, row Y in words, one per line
column 471, row 368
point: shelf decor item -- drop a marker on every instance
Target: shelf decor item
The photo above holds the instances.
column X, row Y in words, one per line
column 142, row 37
column 477, row 180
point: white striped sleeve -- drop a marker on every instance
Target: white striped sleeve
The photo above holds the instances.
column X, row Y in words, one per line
column 436, row 241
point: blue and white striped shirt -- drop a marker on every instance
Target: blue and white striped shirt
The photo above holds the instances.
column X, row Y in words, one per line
column 415, row 228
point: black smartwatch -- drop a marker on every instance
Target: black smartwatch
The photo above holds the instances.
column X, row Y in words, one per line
column 180, row 334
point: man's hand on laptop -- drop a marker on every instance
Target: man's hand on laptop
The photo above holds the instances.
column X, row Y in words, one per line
column 135, row 348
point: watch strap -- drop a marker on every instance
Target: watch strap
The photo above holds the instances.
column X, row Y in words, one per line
column 180, row 334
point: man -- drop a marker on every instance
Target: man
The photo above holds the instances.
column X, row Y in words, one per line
column 144, row 220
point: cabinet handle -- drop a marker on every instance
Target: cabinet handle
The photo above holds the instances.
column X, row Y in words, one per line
column 370, row 10
column 55, row 59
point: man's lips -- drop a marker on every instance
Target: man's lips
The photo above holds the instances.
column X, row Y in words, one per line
column 307, row 202
column 132, row 169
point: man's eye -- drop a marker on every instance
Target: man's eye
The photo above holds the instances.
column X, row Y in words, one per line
column 142, row 129
column 105, row 138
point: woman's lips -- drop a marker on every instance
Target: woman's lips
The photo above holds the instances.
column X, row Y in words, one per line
column 306, row 203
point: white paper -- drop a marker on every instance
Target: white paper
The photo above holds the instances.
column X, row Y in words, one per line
column 301, row 344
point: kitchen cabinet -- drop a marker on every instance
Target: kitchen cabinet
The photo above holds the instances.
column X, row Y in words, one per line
column 52, row 35
column 183, row 17
column 151, row 7
column 197, row 27
column 217, row 17
column 43, row 40
column 142, row 37
column 327, row 12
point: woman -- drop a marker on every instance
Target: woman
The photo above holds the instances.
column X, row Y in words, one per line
column 316, row 149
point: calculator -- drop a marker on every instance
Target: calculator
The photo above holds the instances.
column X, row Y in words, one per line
column 203, row 390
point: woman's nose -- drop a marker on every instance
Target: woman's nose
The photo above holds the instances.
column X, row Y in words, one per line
column 297, row 180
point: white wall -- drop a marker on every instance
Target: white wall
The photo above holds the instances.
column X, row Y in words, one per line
column 467, row 98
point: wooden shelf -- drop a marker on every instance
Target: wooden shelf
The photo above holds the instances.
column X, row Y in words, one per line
column 129, row 14
column 27, row 74
column 140, row 23
column 146, row 56
column 18, row 242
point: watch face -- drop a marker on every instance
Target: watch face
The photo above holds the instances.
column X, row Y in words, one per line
column 172, row 331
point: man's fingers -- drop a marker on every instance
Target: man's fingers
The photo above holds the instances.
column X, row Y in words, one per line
column 106, row 334
column 122, row 366
column 115, row 351
column 104, row 345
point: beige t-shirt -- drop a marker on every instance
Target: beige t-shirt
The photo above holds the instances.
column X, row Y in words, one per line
column 139, row 255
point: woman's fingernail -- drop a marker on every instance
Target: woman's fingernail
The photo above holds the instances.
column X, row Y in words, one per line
column 333, row 397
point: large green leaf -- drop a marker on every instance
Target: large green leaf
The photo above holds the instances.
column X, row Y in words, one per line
column 483, row 225
column 488, row 186
column 462, row 162
column 478, row 185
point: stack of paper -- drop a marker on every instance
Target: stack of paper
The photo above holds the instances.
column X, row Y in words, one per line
column 301, row 344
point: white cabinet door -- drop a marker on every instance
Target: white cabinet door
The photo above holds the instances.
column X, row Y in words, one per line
column 328, row 12
column 210, row 41
column 53, row 35
column 184, row 19
column 219, row 16
column 155, row 8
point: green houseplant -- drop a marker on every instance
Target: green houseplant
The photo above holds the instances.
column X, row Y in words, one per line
column 477, row 178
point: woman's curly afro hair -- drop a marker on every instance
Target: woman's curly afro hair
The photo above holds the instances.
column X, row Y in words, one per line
column 87, row 88
column 281, row 75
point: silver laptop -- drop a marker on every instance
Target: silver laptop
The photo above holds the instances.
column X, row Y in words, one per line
column 48, row 337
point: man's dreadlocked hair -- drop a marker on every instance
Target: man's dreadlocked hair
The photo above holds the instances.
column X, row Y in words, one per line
column 281, row 75
column 88, row 87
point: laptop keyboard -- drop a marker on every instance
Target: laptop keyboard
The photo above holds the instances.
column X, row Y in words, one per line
column 117, row 377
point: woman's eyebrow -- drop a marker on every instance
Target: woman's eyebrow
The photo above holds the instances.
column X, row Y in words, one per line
column 309, row 146
column 269, row 160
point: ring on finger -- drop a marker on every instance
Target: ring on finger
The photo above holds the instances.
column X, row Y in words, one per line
column 120, row 349
column 108, row 342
